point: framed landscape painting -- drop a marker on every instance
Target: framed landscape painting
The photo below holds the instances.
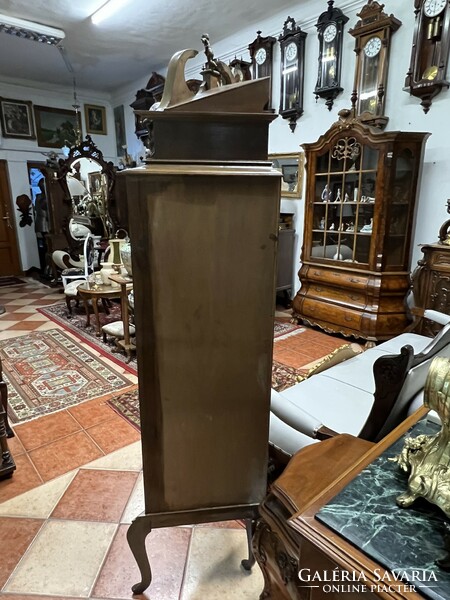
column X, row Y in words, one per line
column 16, row 117
column 95, row 117
column 56, row 127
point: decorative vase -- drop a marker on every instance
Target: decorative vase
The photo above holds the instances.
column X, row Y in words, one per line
column 115, row 244
column 107, row 270
column 125, row 254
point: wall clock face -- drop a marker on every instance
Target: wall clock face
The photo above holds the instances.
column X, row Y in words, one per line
column 330, row 33
column 260, row 56
column 432, row 8
column 291, row 51
column 372, row 47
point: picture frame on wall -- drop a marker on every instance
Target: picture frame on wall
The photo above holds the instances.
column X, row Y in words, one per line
column 292, row 168
column 95, row 117
column 119, row 125
column 16, row 118
column 56, row 127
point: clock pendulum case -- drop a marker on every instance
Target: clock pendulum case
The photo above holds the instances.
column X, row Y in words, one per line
column 372, row 35
column 261, row 54
column 429, row 56
column 292, row 43
column 330, row 26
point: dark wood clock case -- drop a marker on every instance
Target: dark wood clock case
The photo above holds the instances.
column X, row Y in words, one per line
column 426, row 76
column 328, row 85
column 371, row 71
column 262, row 68
column 292, row 71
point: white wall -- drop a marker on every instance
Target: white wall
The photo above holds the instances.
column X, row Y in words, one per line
column 404, row 112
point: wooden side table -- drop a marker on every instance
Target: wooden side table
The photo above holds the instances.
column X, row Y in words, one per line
column 126, row 285
column 96, row 292
column 289, row 538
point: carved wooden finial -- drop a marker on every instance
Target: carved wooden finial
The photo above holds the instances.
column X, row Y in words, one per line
column 175, row 88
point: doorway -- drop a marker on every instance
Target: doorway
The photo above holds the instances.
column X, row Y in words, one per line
column 37, row 176
column 9, row 251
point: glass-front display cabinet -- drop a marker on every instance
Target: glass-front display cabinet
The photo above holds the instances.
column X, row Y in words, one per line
column 359, row 214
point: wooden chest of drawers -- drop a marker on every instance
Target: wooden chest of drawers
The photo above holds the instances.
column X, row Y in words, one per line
column 431, row 284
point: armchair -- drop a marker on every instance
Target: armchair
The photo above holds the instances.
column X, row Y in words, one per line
column 75, row 272
column 86, row 266
column 366, row 396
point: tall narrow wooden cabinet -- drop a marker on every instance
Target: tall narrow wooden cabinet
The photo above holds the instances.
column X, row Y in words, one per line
column 203, row 217
column 360, row 207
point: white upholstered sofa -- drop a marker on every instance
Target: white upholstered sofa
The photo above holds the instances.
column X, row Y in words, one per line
column 366, row 396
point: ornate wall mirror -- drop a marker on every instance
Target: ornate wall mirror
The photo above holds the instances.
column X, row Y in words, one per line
column 292, row 167
column 87, row 183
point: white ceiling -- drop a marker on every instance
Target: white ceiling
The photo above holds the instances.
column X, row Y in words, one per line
column 128, row 46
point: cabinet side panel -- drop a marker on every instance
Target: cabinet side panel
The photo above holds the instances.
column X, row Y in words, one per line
column 204, row 269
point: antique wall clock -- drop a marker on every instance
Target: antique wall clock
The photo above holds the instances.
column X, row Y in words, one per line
column 427, row 71
column 261, row 54
column 330, row 26
column 372, row 35
column 292, row 43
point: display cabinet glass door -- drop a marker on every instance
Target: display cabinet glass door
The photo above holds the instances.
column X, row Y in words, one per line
column 344, row 202
column 397, row 243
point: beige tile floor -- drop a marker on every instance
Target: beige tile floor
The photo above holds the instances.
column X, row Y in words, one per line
column 66, row 538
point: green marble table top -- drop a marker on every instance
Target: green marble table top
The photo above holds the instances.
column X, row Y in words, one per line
column 404, row 541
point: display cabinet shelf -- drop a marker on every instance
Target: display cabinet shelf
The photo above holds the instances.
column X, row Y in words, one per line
column 359, row 213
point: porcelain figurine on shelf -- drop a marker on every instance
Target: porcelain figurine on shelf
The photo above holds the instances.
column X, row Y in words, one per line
column 327, row 194
column 426, row 458
column 322, row 223
column 338, row 195
column 367, row 228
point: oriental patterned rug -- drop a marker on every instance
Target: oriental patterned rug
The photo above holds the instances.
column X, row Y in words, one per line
column 48, row 371
column 283, row 376
column 127, row 405
column 76, row 324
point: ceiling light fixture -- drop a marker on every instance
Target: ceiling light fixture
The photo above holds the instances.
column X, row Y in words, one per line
column 31, row 31
column 107, row 10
